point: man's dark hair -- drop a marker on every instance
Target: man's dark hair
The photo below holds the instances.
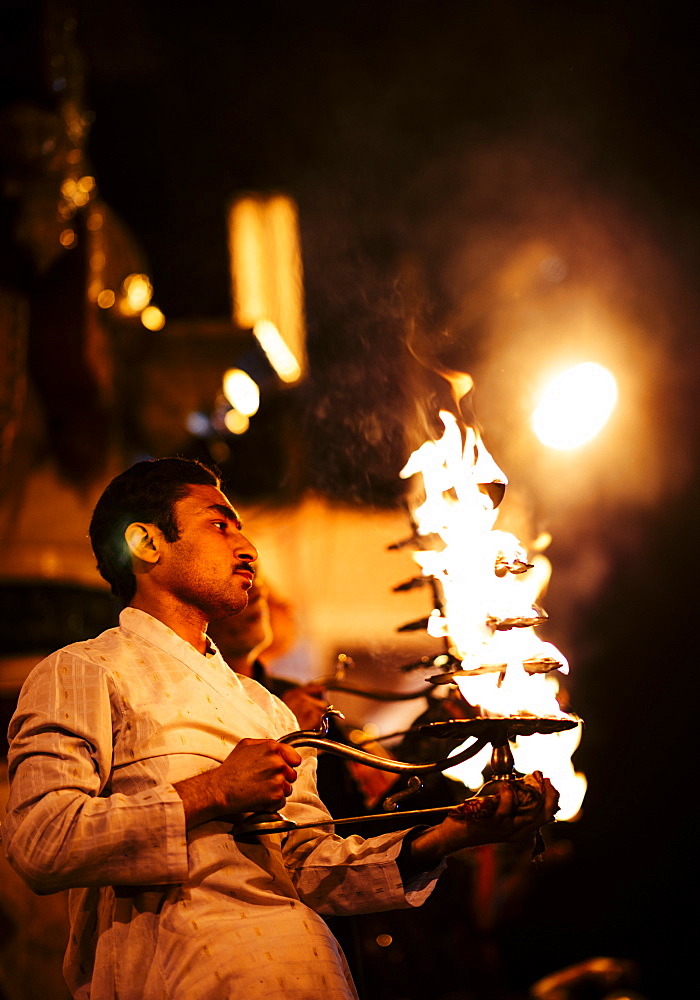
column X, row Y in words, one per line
column 148, row 492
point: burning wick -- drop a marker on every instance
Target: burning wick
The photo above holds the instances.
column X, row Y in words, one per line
column 575, row 406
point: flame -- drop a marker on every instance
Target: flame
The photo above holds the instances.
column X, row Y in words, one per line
column 487, row 613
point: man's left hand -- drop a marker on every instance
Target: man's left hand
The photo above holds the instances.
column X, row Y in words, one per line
column 515, row 812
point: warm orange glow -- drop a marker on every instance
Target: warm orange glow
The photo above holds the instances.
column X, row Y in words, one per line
column 152, row 318
column 490, row 587
column 68, row 238
column 276, row 351
column 138, row 291
column 125, row 307
column 236, row 422
column 266, row 271
column 78, row 192
column 106, row 298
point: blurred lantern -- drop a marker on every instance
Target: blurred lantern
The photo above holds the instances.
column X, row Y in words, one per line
column 267, row 279
column 137, row 290
column 152, row 318
column 236, row 422
column 242, row 392
column 276, row 351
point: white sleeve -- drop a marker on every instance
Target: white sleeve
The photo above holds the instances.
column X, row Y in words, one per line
column 64, row 827
column 345, row 875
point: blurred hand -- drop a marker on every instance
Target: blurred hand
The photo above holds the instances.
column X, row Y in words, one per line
column 308, row 702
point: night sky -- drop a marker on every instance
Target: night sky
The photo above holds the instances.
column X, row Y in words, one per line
column 364, row 115
column 427, row 147
column 437, row 140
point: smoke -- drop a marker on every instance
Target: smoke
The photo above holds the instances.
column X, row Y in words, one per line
column 509, row 259
column 537, row 267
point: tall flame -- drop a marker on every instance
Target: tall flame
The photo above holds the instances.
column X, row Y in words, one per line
column 488, row 613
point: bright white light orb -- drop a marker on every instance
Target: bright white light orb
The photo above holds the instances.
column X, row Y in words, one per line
column 241, row 391
column 575, row 406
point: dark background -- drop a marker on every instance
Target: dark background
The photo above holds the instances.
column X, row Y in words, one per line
column 373, row 119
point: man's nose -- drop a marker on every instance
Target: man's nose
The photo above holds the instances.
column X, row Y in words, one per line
column 246, row 550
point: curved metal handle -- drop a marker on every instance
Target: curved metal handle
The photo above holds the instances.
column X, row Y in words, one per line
column 314, row 739
column 496, row 731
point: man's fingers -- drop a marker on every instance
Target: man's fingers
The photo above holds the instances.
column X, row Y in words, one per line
column 288, row 754
column 289, row 774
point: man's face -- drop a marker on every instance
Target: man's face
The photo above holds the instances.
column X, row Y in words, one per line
column 209, row 567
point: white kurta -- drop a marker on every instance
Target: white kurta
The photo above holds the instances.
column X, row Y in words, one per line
column 102, row 730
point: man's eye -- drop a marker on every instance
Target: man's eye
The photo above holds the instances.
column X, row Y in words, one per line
column 220, row 524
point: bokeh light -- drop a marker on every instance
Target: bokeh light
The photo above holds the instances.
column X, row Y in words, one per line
column 138, row 291
column 277, row 352
column 236, row 422
column 68, row 238
column 152, row 318
column 241, row 391
column 575, row 406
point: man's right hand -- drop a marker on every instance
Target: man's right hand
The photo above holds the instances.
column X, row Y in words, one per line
column 257, row 776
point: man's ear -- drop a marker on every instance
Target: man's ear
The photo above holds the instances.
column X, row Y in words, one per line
column 143, row 541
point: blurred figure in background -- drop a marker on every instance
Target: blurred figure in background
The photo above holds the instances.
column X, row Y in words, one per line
column 346, row 787
column 242, row 639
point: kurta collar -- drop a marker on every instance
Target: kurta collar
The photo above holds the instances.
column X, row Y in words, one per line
column 212, row 669
column 159, row 634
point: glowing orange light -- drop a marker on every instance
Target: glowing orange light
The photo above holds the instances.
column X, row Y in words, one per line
column 266, row 276
column 276, row 351
column 575, row 406
column 236, row 423
column 152, row 318
column 106, row 298
column 138, row 290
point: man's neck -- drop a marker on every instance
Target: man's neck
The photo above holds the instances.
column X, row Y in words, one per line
column 184, row 621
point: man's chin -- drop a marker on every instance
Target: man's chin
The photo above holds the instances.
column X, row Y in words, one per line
column 226, row 610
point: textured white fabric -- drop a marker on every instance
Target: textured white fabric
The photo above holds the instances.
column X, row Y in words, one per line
column 102, row 730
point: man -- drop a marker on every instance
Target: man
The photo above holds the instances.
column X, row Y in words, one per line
column 134, row 753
